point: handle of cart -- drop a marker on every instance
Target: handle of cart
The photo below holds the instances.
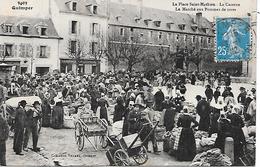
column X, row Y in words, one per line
column 146, row 138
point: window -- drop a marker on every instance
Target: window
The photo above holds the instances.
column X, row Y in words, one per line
column 193, row 39
column 168, row 36
column 185, row 38
column 73, row 47
column 131, row 39
column 25, row 29
column 94, row 28
column 43, row 31
column 209, row 40
column 177, row 37
column 8, row 50
column 94, row 47
column 94, row 9
column 74, row 6
column 182, row 26
column 141, row 35
column 160, row 35
column 151, row 34
column 74, row 27
column 201, row 40
column 157, row 23
column 8, row 28
column 43, row 52
column 122, row 31
column 132, row 29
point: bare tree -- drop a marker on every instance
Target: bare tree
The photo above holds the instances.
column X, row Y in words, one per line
column 77, row 50
column 163, row 58
column 114, row 52
column 132, row 51
column 98, row 49
column 196, row 56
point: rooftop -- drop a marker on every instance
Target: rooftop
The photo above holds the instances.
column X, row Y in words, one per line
column 161, row 20
column 83, row 7
column 32, row 23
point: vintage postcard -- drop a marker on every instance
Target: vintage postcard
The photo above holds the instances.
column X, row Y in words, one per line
column 128, row 82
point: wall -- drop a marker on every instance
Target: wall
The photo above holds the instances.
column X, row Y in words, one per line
column 52, row 61
column 62, row 21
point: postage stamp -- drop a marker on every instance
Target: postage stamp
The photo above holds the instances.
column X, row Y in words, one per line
column 232, row 39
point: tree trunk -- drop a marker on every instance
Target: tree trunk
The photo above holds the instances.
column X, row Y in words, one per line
column 198, row 67
column 114, row 68
column 77, row 66
column 97, row 67
column 130, row 67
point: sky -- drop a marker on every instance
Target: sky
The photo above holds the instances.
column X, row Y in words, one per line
column 246, row 6
column 40, row 7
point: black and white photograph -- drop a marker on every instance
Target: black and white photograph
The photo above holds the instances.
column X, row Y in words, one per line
column 128, row 82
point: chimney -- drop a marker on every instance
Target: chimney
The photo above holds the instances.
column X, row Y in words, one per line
column 198, row 19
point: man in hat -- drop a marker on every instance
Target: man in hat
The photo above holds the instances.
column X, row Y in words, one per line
column 4, row 133
column 227, row 92
column 242, row 96
column 19, row 127
column 146, row 123
column 216, row 94
column 209, row 93
column 32, row 123
column 133, row 116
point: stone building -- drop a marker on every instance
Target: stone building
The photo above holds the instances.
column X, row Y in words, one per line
column 157, row 28
column 29, row 44
column 83, row 26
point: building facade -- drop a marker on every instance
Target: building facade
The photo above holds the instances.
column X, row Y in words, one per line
column 161, row 28
column 29, row 44
column 83, row 26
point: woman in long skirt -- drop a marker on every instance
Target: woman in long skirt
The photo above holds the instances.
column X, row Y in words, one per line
column 57, row 117
column 184, row 145
column 103, row 104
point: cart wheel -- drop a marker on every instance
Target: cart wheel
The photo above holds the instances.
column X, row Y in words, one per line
column 103, row 141
column 121, row 158
column 79, row 136
column 141, row 157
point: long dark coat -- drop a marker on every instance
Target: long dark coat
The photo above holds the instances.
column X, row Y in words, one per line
column 103, row 104
column 159, row 98
column 119, row 111
column 231, row 129
column 187, row 147
column 57, row 117
column 46, row 114
column 203, row 109
column 19, row 126
column 4, row 133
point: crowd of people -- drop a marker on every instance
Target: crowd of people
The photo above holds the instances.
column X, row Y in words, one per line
column 135, row 104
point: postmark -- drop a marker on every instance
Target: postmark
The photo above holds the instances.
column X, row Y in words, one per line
column 233, row 39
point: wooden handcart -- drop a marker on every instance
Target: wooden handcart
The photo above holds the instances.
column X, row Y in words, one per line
column 91, row 127
column 131, row 146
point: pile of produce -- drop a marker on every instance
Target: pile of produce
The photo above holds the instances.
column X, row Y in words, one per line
column 199, row 134
column 203, row 142
column 212, row 157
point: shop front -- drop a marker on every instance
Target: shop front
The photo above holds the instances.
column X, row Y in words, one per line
column 85, row 66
